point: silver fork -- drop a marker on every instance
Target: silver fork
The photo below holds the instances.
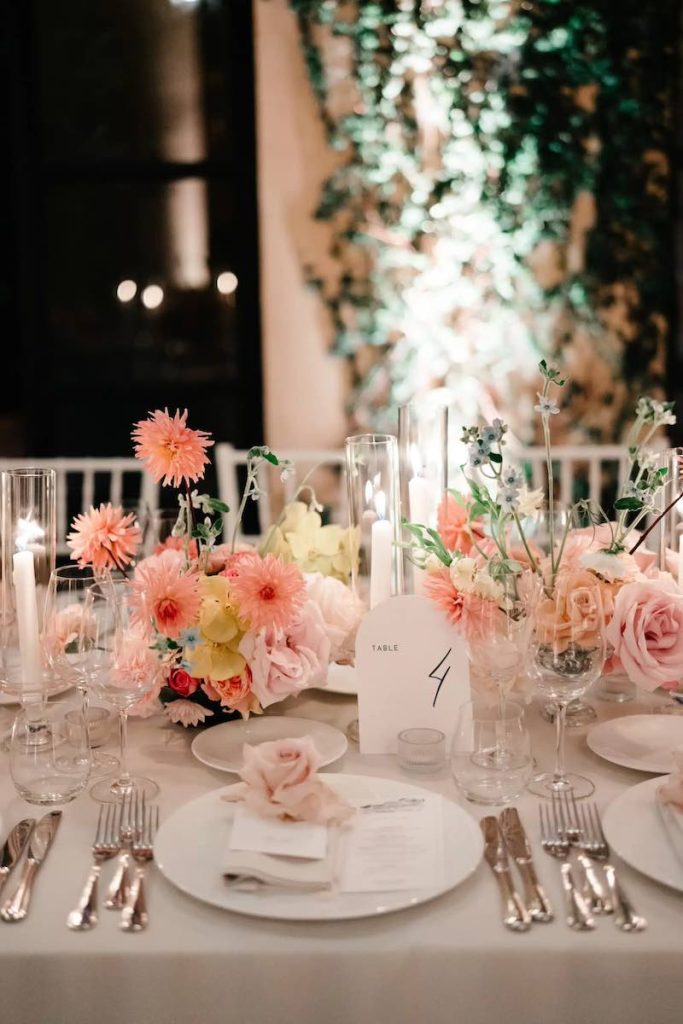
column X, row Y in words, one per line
column 577, row 911
column 573, row 826
column 119, row 887
column 134, row 917
column 597, row 846
column 105, row 846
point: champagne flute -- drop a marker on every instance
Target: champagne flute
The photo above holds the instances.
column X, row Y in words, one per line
column 122, row 668
column 65, row 603
column 567, row 654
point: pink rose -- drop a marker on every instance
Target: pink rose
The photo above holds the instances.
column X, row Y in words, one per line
column 280, row 781
column 574, row 613
column 182, row 682
column 646, row 631
column 284, row 662
column 341, row 610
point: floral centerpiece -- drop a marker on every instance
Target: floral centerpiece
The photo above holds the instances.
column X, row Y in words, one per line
column 483, row 541
column 235, row 628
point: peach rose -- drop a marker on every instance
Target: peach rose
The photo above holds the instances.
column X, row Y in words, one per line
column 646, row 631
column 234, row 693
column 279, row 781
column 574, row 613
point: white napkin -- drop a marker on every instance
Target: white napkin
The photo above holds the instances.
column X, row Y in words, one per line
column 245, row 869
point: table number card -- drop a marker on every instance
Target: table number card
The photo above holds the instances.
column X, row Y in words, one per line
column 411, row 669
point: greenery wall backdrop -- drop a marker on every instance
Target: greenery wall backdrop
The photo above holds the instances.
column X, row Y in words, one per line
column 503, row 190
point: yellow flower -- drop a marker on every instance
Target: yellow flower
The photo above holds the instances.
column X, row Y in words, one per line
column 218, row 619
column 215, row 661
column 302, row 538
column 216, row 656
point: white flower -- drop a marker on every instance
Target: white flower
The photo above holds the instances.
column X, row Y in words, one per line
column 462, row 573
column 433, row 563
column 486, row 587
column 509, row 499
column 610, row 567
column 546, row 406
column 341, row 610
column 512, row 478
column 186, row 712
column 530, row 502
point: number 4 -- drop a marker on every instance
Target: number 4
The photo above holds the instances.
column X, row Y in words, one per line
column 440, row 679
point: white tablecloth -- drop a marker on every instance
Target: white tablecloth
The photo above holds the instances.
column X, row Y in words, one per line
column 445, row 962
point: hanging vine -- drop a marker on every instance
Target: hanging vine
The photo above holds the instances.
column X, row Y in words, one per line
column 502, row 191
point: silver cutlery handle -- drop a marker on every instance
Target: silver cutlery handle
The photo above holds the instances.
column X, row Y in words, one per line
column 598, row 899
column 134, row 917
column 119, row 887
column 515, row 914
column 84, row 917
column 4, row 875
column 625, row 917
column 16, row 909
column 576, row 909
column 537, row 902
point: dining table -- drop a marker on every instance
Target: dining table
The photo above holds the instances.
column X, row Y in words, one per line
column 445, row 961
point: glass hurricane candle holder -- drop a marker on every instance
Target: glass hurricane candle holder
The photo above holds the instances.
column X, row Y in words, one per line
column 423, row 458
column 28, row 549
column 374, row 515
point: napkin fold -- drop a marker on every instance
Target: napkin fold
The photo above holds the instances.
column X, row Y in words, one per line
column 248, row 870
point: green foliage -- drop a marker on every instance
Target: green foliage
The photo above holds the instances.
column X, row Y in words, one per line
column 501, row 192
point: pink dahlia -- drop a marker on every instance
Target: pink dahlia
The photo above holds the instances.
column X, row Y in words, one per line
column 438, row 586
column 455, row 530
column 169, row 598
column 268, row 593
column 104, row 538
column 170, row 449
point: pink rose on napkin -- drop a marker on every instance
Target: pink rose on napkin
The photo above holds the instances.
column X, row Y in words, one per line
column 646, row 631
column 284, row 662
column 279, row 781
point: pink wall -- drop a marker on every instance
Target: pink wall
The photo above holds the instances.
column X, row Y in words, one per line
column 304, row 385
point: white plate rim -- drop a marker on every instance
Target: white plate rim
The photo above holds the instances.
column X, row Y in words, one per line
column 382, row 903
column 311, row 724
column 625, row 802
column 594, row 739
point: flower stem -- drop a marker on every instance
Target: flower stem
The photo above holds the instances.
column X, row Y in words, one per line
column 652, row 525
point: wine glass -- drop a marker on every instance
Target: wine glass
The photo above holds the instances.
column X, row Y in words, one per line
column 567, row 653
column 480, row 732
column 121, row 668
column 63, row 623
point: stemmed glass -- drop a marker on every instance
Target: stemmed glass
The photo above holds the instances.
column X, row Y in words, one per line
column 567, row 654
column 64, row 623
column 121, row 668
column 497, row 633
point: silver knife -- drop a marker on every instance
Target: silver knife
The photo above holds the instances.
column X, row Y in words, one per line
column 517, row 843
column 44, row 832
column 14, row 847
column 515, row 914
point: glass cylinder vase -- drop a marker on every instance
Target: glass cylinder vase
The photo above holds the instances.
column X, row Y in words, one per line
column 28, row 550
column 423, row 460
column 374, row 515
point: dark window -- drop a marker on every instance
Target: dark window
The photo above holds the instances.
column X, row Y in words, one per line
column 129, row 277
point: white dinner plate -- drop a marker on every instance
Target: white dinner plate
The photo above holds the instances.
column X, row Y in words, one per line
column 190, row 848
column 220, row 746
column 634, row 830
column 341, row 679
column 643, row 742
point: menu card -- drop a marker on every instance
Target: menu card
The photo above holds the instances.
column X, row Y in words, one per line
column 394, row 844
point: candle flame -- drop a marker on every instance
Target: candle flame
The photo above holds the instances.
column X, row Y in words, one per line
column 381, row 504
column 28, row 532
